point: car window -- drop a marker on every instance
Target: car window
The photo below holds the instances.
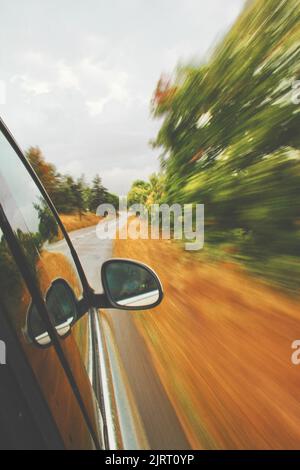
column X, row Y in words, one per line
column 50, row 375
column 48, row 257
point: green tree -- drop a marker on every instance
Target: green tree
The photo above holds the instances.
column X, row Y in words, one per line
column 77, row 189
column 69, row 195
column 138, row 193
column 98, row 194
column 230, row 138
column 112, row 199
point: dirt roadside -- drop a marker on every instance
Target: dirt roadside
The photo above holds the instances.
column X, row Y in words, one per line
column 221, row 345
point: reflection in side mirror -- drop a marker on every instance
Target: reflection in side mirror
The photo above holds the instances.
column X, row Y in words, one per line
column 130, row 285
column 36, row 328
column 62, row 307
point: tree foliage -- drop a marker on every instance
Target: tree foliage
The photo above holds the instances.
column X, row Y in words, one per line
column 98, row 194
column 230, row 139
column 147, row 192
column 69, row 195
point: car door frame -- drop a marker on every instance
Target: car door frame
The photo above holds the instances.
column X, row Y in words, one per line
column 21, row 261
column 32, row 408
column 87, row 290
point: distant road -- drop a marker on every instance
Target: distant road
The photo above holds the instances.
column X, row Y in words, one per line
column 160, row 423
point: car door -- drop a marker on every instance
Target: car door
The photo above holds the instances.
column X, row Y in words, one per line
column 34, row 256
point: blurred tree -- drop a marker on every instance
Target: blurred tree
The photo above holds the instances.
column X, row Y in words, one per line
column 112, row 199
column 45, row 171
column 147, row 192
column 77, row 189
column 69, row 195
column 64, row 197
column 230, row 137
column 157, row 189
column 138, row 193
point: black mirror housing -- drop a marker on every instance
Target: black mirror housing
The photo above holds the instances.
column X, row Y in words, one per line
column 130, row 285
column 63, row 310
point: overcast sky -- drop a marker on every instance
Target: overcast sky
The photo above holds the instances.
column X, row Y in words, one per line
column 80, row 74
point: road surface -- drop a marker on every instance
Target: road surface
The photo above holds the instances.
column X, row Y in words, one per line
column 157, row 416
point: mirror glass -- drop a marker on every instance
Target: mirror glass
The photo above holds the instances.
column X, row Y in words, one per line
column 61, row 305
column 131, row 284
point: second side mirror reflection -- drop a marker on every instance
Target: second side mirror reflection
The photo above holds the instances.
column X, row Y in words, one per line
column 62, row 307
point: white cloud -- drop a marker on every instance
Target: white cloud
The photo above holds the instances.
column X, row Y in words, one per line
column 30, row 85
column 96, row 107
column 73, row 167
column 79, row 82
column 67, row 78
column 119, row 179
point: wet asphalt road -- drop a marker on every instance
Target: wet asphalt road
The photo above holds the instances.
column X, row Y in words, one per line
column 159, row 420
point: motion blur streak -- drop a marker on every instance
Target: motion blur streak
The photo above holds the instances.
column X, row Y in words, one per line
column 230, row 140
column 221, row 344
column 221, row 340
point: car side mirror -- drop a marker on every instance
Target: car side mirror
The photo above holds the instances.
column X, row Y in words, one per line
column 127, row 284
column 130, row 285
